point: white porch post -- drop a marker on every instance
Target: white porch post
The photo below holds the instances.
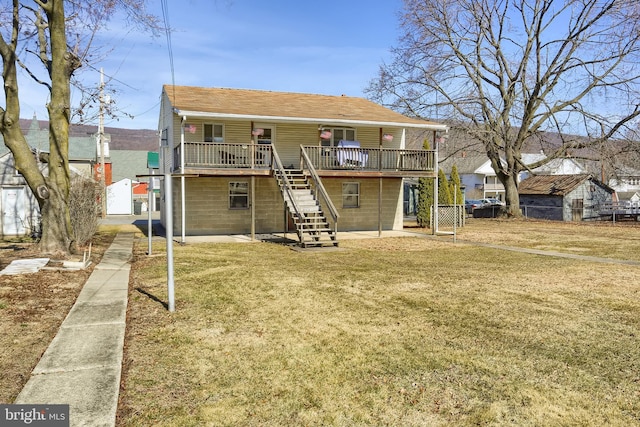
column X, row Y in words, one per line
column 182, row 183
column 434, row 217
column 380, row 189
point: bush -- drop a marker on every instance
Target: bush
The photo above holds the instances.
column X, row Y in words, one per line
column 83, row 208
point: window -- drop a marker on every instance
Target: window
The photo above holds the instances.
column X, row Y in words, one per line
column 338, row 134
column 266, row 137
column 213, row 133
column 238, row 195
column 351, row 195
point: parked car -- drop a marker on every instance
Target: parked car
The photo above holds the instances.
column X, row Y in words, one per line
column 471, row 204
column 492, row 202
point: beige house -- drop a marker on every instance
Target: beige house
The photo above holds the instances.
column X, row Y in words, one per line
column 253, row 162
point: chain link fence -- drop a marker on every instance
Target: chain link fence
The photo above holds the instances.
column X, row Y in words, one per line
column 450, row 216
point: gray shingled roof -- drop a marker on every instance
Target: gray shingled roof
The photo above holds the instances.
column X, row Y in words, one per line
column 554, row 185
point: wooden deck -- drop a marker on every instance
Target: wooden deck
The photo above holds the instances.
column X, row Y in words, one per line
column 257, row 159
column 618, row 211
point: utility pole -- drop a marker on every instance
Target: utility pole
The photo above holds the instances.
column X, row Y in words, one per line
column 103, row 172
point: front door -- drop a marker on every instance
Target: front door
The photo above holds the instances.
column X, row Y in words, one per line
column 264, row 138
column 13, row 214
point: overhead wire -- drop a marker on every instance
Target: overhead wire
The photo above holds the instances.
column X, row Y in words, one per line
column 167, row 29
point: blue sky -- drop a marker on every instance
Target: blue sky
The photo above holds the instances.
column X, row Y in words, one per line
column 331, row 47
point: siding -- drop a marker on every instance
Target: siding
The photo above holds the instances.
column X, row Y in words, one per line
column 208, row 213
column 288, row 137
column 365, row 217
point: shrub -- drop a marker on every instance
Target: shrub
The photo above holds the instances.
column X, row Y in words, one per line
column 83, row 208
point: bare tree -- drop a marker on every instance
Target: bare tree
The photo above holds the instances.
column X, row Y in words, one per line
column 41, row 30
column 513, row 69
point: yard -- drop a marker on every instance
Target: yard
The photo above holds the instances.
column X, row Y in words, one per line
column 400, row 331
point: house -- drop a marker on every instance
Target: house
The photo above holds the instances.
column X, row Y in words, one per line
column 22, row 216
column 19, row 207
column 480, row 180
column 626, row 183
column 252, row 161
column 563, row 197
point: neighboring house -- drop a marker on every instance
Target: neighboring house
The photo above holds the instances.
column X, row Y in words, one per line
column 627, row 185
column 19, row 207
column 84, row 160
column 20, row 211
column 480, row 180
column 338, row 162
column 563, row 197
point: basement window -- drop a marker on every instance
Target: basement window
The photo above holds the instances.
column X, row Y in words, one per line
column 351, row 195
column 238, row 195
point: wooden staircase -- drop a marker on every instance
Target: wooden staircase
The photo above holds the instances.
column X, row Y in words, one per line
column 311, row 224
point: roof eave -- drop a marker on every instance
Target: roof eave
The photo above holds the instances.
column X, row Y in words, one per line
column 315, row 120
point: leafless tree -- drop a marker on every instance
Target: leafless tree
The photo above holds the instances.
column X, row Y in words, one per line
column 52, row 40
column 513, row 69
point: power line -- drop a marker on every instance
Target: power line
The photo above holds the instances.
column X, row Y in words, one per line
column 167, row 29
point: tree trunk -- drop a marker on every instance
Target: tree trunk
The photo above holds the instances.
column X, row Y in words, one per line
column 56, row 222
column 511, row 195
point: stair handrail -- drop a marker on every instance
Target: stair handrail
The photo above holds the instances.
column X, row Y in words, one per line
column 277, row 167
column 306, row 161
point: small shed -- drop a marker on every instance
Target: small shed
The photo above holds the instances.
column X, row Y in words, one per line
column 120, row 197
column 563, row 197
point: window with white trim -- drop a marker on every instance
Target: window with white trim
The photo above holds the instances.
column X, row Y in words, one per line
column 238, row 195
column 213, row 133
column 338, row 134
column 350, row 194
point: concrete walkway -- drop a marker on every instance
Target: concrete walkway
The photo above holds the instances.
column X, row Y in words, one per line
column 83, row 363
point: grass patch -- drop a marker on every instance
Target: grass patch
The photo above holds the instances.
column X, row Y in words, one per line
column 403, row 331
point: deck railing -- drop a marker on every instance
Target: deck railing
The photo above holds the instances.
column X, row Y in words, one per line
column 259, row 156
column 221, row 156
column 370, row 159
column 318, row 188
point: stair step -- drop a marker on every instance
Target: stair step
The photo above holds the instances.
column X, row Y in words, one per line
column 315, row 227
column 312, row 226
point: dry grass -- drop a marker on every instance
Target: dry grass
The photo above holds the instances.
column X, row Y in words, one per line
column 32, row 308
column 404, row 331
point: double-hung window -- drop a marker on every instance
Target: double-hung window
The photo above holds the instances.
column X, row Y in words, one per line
column 238, row 195
column 351, row 195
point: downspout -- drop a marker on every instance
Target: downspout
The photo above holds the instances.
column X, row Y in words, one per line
column 182, row 182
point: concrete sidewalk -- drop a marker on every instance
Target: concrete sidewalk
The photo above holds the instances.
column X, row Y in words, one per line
column 82, row 365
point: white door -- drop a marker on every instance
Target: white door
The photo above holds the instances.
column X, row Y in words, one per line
column 13, row 214
column 266, row 137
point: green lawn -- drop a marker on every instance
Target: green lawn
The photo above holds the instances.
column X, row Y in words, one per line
column 397, row 332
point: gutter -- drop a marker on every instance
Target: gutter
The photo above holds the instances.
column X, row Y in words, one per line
column 315, row 120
